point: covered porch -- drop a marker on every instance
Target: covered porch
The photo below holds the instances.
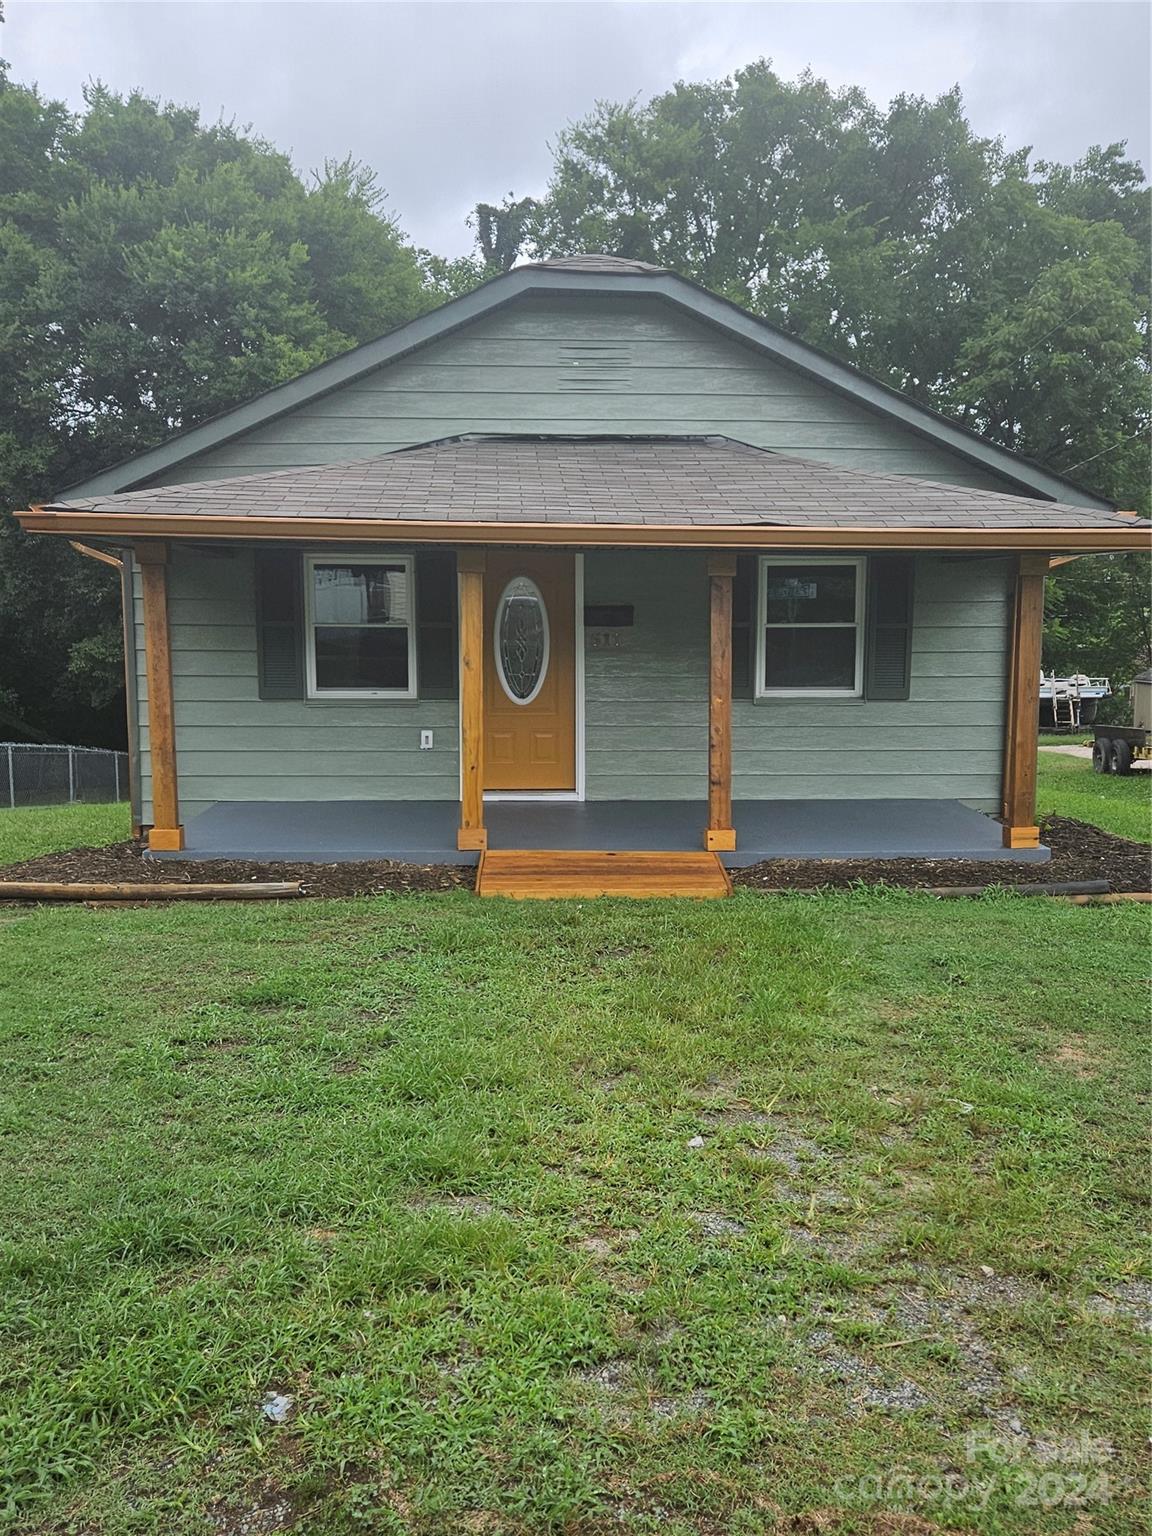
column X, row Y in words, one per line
column 425, row 832
column 677, row 645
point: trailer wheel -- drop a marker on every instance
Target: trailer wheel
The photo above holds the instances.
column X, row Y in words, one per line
column 1121, row 756
column 1101, row 755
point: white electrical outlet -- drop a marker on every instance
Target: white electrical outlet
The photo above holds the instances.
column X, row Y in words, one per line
column 425, row 741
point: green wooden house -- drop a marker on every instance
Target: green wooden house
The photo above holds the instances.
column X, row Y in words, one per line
column 589, row 559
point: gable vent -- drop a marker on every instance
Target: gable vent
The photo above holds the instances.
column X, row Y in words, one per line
column 595, row 367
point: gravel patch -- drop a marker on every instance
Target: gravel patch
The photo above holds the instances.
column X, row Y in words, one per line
column 611, row 1376
column 867, row 1384
column 793, row 1151
column 714, row 1224
column 689, row 1405
column 274, row 1511
column 848, row 1248
column 918, row 1315
column 597, row 1247
column 1130, row 1300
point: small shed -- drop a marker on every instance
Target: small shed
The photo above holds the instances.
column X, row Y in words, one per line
column 1141, row 690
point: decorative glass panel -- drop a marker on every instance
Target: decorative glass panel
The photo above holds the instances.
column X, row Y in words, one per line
column 360, row 594
column 521, row 640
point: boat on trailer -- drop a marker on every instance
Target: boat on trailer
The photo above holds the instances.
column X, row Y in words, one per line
column 1067, row 703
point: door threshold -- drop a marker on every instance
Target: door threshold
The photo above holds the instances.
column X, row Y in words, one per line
column 565, row 796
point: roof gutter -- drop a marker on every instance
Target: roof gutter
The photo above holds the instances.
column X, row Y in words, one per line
column 1132, row 534
column 106, row 557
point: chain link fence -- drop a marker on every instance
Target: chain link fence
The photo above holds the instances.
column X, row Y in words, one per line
column 39, row 775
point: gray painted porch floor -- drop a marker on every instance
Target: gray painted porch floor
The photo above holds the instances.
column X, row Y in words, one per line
column 332, row 831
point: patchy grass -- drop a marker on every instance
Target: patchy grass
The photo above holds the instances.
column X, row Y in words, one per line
column 1066, row 786
column 427, row 1166
column 32, row 830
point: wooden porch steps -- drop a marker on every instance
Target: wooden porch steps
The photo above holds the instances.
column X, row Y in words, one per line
column 534, row 872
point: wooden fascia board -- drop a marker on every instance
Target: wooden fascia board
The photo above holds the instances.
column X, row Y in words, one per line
column 681, row 292
column 84, row 525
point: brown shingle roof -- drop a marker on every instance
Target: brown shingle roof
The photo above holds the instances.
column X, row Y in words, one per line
column 664, row 482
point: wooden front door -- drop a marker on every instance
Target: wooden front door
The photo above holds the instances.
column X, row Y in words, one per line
column 529, row 671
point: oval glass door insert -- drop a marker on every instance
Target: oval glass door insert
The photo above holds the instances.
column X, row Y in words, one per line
column 521, row 640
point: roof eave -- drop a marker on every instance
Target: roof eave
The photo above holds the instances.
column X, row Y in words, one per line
column 201, row 527
column 498, row 291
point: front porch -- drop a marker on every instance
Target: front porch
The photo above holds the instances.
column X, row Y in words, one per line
column 424, row 832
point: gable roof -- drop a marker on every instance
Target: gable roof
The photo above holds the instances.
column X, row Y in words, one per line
column 580, row 485
column 589, row 275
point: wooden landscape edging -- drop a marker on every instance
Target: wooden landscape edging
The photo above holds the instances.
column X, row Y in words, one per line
column 151, row 890
column 1037, row 888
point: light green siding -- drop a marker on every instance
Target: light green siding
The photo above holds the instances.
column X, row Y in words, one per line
column 590, row 365
column 647, row 708
column 567, row 364
column 233, row 745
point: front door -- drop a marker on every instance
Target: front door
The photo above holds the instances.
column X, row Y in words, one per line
column 529, row 671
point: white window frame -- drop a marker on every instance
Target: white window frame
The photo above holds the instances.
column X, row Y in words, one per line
column 342, row 557
column 860, row 563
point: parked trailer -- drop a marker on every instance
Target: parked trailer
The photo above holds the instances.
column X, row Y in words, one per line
column 1116, row 747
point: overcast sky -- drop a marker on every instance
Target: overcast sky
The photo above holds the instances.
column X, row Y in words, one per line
column 455, row 103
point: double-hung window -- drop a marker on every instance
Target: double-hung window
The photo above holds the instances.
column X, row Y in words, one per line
column 361, row 636
column 811, row 627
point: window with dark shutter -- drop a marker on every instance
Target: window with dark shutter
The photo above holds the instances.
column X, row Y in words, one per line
column 888, row 655
column 279, row 624
column 436, row 644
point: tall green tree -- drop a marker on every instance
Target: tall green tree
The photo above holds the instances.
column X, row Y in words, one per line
column 1011, row 296
column 154, row 270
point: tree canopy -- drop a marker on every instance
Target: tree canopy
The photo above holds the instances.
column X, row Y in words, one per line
column 155, row 270
column 1007, row 293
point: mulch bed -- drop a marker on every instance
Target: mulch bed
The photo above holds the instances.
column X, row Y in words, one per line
column 1079, row 852
column 120, row 862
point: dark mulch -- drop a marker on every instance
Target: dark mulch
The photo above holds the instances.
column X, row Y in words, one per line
column 120, row 862
column 1079, row 852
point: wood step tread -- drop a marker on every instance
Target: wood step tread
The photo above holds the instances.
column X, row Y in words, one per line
column 560, row 872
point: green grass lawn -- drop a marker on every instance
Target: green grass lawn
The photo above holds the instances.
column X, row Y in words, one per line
column 1066, row 786
column 427, row 1166
column 32, row 830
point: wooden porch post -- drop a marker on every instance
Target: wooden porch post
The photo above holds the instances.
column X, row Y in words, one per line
column 471, row 833
column 1022, row 722
column 166, row 834
column 720, row 835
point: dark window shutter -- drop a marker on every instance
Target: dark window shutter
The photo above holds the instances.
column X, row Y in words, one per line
column 436, row 624
column 280, row 624
column 888, row 653
column 743, row 625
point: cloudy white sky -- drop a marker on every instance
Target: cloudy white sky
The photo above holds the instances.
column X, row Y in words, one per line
column 453, row 103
